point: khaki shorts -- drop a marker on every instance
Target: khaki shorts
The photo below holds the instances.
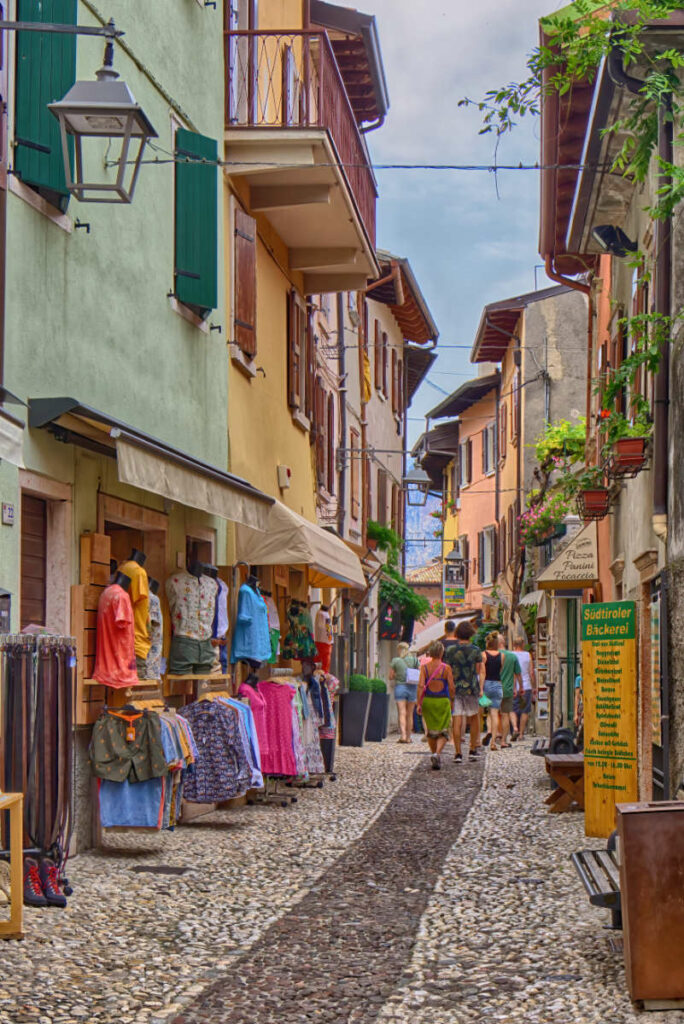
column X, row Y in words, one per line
column 507, row 705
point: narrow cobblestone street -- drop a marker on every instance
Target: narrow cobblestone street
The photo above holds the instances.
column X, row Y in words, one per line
column 394, row 894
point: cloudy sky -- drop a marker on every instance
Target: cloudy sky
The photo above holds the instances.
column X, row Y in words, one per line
column 466, row 246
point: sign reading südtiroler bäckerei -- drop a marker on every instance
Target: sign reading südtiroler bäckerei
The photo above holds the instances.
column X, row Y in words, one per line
column 610, row 714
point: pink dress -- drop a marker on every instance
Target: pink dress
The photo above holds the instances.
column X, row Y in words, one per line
column 280, row 758
column 258, row 705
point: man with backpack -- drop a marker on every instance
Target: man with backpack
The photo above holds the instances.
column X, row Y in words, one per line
column 467, row 669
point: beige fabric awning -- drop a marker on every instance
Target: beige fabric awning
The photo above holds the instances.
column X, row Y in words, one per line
column 11, row 434
column 215, row 493
column 290, row 539
column 577, row 564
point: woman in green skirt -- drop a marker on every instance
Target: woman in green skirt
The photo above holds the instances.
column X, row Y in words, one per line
column 435, row 701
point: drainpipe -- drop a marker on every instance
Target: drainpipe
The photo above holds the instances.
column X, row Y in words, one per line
column 342, row 375
column 663, row 303
column 663, row 295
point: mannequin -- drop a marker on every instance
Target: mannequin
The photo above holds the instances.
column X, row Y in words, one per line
column 192, row 602
column 210, row 570
column 115, row 663
column 323, row 636
column 253, row 582
column 139, row 593
column 220, row 625
column 122, row 580
column 153, row 662
column 251, row 640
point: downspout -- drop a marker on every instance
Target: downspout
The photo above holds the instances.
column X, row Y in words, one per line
column 663, row 296
column 342, row 375
column 663, row 303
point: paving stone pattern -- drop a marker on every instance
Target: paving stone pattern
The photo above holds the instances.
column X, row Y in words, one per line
column 338, row 955
column 133, row 948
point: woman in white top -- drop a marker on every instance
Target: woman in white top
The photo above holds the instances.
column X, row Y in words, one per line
column 522, row 703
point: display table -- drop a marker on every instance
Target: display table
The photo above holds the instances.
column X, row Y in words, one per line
column 14, row 803
column 567, row 771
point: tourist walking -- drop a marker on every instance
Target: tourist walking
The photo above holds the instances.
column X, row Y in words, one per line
column 522, row 702
column 467, row 669
column 493, row 690
column 511, row 684
column 405, row 671
column 435, row 701
column 450, row 643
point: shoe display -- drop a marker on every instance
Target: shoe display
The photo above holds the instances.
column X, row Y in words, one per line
column 49, row 878
column 33, row 887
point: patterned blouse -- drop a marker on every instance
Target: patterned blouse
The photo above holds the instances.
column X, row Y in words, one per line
column 193, row 603
column 222, row 770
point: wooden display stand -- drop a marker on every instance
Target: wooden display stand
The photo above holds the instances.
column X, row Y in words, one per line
column 96, row 551
column 14, row 804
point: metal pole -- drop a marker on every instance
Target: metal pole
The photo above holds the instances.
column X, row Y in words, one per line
column 109, row 30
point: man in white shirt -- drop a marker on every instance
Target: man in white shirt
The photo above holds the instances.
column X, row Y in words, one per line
column 522, row 703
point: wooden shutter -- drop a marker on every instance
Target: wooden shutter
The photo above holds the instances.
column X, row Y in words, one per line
column 469, row 460
column 503, row 430
column 480, row 557
column 355, row 468
column 377, row 352
column 296, row 345
column 395, row 382
column 385, row 361
column 515, row 415
column 367, row 489
column 319, row 431
column 309, row 342
column 33, row 560
column 196, row 201
column 465, row 551
column 45, row 71
column 382, row 497
column 244, row 255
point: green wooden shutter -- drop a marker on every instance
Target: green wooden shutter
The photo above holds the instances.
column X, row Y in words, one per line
column 45, row 71
column 195, row 269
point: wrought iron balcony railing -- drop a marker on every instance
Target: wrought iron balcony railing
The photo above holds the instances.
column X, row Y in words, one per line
column 292, row 80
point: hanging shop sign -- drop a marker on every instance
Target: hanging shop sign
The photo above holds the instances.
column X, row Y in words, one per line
column 389, row 621
column 609, row 690
column 576, row 566
column 454, row 597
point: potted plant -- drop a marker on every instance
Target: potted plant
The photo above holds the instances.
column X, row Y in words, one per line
column 354, row 709
column 628, row 443
column 593, row 497
column 378, row 717
column 382, row 537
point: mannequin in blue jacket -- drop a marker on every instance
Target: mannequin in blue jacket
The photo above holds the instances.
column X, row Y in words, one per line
column 251, row 638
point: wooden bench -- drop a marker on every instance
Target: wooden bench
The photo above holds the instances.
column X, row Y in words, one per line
column 540, row 747
column 599, row 872
column 567, row 771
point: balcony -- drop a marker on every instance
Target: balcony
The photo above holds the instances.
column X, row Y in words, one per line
column 291, row 134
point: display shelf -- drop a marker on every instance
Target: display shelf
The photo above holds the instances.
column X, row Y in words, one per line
column 14, row 927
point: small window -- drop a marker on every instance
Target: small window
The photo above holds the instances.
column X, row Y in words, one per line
column 503, row 431
column 488, row 449
column 465, row 462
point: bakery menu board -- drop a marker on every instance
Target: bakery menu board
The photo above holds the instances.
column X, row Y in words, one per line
column 609, row 666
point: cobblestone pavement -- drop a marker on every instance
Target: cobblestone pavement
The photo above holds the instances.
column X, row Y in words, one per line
column 392, row 895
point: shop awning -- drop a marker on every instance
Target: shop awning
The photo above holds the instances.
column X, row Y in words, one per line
column 436, row 631
column 11, row 434
column 290, row 539
column 150, row 464
column 576, row 566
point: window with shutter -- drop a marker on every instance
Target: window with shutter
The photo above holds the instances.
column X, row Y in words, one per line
column 196, row 230
column 395, row 382
column 355, row 473
column 367, row 488
column 465, row 551
column 45, row 71
column 296, row 349
column 503, row 431
column 377, row 355
column 515, row 407
column 245, row 283
column 331, row 445
column 385, row 361
column 480, row 558
column 400, row 386
column 469, row 460
column 309, row 362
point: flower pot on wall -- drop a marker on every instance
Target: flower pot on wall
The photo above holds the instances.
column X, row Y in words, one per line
column 593, row 503
column 628, row 457
column 378, row 717
column 354, row 709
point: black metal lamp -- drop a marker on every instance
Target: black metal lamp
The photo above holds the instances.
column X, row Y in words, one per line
column 104, row 109
column 613, row 239
column 455, row 565
column 416, row 483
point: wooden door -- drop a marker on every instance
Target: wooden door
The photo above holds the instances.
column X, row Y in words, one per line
column 33, row 560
